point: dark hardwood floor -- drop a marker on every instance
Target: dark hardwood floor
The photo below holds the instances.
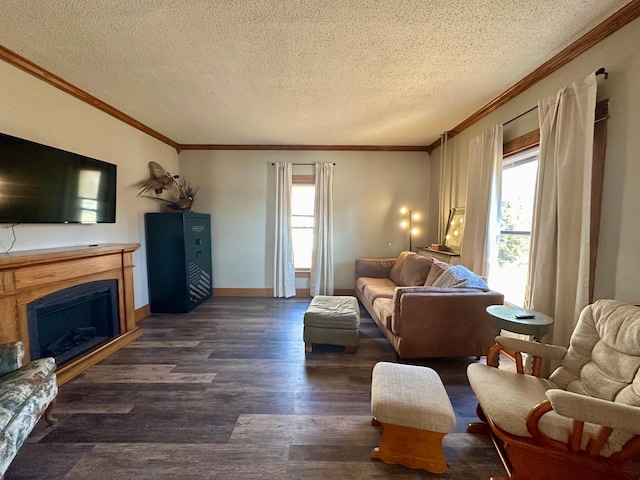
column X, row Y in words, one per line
column 225, row 392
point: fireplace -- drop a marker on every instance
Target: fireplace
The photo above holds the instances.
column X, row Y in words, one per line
column 70, row 322
column 50, row 300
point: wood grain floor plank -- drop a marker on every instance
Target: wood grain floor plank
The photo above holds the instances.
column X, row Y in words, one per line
column 337, row 430
column 170, row 462
column 144, row 343
column 227, row 392
column 149, row 373
column 136, row 427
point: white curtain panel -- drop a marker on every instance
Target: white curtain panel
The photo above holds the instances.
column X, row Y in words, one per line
column 446, row 187
column 321, row 279
column 558, row 282
column 284, row 272
column 484, row 195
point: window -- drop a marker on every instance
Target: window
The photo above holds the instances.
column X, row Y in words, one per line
column 302, row 219
column 519, row 174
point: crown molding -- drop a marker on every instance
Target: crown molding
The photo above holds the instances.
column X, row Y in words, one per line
column 615, row 22
column 28, row 66
column 362, row 148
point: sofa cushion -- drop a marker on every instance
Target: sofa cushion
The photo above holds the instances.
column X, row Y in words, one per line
column 378, row 290
column 362, row 282
column 396, row 270
column 383, row 308
column 507, row 398
column 603, row 360
column 373, row 267
column 459, row 276
column 437, row 269
column 24, row 396
column 415, row 270
column 18, row 387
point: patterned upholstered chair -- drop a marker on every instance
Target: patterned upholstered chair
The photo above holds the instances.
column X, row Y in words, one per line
column 583, row 422
column 26, row 394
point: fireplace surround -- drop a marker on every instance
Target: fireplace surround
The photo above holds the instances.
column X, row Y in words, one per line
column 27, row 278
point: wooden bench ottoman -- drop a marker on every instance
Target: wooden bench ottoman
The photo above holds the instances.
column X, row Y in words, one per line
column 332, row 320
column 414, row 411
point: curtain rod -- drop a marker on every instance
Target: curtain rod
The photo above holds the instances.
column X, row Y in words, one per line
column 302, row 164
column 518, row 116
column 600, row 71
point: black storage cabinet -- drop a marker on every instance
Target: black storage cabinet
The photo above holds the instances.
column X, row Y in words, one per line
column 178, row 260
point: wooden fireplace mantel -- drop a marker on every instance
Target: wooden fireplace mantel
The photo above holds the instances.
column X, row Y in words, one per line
column 29, row 275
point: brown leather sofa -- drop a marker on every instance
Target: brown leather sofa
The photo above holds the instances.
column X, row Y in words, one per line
column 420, row 318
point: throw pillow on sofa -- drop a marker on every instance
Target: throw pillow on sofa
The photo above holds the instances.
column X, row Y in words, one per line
column 437, row 268
column 459, row 276
column 396, row 270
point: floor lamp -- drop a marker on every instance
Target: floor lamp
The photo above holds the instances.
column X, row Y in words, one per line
column 409, row 224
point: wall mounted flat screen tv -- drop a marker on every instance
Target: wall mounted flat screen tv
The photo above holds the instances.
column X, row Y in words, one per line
column 41, row 184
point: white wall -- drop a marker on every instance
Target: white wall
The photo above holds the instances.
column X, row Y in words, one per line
column 618, row 263
column 36, row 111
column 237, row 189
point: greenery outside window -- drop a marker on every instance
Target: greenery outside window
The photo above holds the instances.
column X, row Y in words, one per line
column 509, row 276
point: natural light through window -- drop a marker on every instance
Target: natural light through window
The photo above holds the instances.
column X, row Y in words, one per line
column 302, row 208
column 519, row 174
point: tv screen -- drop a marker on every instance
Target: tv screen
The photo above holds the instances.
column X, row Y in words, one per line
column 41, row 184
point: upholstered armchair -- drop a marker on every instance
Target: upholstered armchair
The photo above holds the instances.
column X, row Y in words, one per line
column 583, row 422
column 26, row 394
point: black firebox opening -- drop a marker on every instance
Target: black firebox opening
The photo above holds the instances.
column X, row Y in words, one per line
column 70, row 322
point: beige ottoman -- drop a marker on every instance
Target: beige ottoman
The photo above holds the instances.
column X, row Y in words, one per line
column 333, row 321
column 414, row 411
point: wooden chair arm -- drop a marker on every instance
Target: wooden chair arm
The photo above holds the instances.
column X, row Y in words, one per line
column 595, row 410
column 595, row 442
column 494, row 355
column 543, row 350
column 533, row 419
column 515, row 347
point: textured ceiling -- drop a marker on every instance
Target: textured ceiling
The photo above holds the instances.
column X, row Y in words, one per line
column 332, row 72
